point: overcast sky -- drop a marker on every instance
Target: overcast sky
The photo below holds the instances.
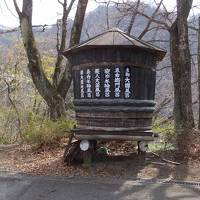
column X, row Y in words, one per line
column 47, row 11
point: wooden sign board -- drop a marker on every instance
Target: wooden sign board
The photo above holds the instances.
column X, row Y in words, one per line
column 114, row 82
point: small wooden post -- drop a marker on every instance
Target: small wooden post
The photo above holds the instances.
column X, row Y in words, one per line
column 87, row 158
column 88, row 155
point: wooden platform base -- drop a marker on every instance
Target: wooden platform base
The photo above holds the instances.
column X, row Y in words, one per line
column 113, row 134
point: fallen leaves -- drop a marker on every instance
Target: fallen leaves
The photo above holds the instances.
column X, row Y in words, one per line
column 122, row 162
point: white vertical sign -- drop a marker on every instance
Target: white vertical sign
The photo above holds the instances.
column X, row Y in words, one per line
column 127, row 83
column 88, row 83
column 82, row 93
column 117, row 82
column 107, row 82
column 97, row 83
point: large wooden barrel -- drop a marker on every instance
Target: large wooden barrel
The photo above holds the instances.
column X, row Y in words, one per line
column 114, row 87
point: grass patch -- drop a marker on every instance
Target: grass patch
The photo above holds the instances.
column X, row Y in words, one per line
column 167, row 135
column 45, row 132
column 160, row 146
column 5, row 139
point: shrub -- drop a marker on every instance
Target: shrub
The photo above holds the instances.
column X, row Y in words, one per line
column 44, row 132
column 8, row 125
column 165, row 129
column 167, row 135
column 5, row 139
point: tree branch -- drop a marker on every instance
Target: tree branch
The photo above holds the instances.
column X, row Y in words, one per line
column 14, row 107
column 60, row 2
column 133, row 18
column 9, row 9
column 65, row 82
column 61, row 47
column 43, row 26
column 150, row 21
column 17, row 8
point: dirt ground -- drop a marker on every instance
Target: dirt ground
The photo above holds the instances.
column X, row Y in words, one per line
column 122, row 162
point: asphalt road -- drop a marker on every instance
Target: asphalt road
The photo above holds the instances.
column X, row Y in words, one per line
column 20, row 187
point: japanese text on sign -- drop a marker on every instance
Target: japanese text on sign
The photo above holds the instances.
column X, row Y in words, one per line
column 106, row 82
column 82, row 84
column 127, row 83
column 117, row 81
column 88, row 83
column 97, row 83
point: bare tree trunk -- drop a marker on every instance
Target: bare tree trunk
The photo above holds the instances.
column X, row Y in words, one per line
column 78, row 22
column 199, row 71
column 62, row 44
column 181, row 67
column 44, row 87
column 65, row 83
column 53, row 95
column 129, row 28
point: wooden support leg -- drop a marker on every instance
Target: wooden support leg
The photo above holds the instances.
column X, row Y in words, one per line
column 138, row 148
column 94, row 146
column 87, row 159
column 140, row 152
column 88, row 155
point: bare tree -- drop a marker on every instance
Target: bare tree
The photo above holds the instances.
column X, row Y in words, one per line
column 53, row 94
column 199, row 70
column 146, row 29
column 181, row 67
column 130, row 25
column 66, row 80
column 61, row 45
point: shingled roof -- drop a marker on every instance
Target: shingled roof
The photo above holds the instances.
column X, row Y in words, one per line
column 116, row 37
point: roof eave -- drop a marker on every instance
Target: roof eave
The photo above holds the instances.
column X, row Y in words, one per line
column 159, row 53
